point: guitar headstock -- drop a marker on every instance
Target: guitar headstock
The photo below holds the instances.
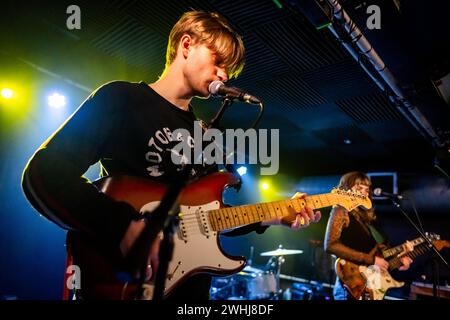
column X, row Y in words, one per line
column 351, row 200
column 432, row 236
column 441, row 244
column 437, row 241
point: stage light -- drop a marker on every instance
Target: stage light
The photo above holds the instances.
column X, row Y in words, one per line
column 264, row 186
column 242, row 170
column 7, row 93
column 56, row 100
column 278, row 4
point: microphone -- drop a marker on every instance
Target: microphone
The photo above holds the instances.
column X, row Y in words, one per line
column 218, row 88
column 379, row 192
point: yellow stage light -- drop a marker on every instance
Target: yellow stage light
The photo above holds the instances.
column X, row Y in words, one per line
column 7, row 93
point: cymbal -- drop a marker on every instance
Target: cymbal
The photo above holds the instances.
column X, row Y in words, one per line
column 281, row 252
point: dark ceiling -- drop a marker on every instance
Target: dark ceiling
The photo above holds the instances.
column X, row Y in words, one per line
column 314, row 91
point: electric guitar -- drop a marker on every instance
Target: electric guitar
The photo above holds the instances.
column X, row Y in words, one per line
column 203, row 216
column 368, row 282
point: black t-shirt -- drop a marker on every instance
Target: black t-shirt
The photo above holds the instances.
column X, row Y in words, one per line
column 129, row 128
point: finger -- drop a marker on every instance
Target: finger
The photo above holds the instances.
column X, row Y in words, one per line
column 309, row 212
column 295, row 224
column 317, row 216
column 409, row 246
column 306, row 218
column 302, row 221
column 298, row 223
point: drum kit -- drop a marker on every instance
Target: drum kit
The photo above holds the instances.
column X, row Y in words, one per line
column 254, row 283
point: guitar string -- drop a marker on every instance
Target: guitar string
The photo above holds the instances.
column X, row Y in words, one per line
column 193, row 224
column 193, row 219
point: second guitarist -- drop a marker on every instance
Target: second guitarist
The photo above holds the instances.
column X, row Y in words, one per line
column 352, row 235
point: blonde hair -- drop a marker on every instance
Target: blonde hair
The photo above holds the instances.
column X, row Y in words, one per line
column 353, row 178
column 216, row 33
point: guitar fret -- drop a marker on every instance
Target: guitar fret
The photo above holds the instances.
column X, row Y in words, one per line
column 241, row 212
column 284, row 210
column 238, row 216
column 245, row 212
column 235, row 217
column 328, row 199
column 321, row 201
column 228, row 214
column 212, row 220
column 275, row 211
column 296, row 205
column 259, row 211
column 222, row 219
column 268, row 210
column 249, row 214
column 301, row 202
column 225, row 218
column 245, row 217
column 253, row 211
column 290, row 204
column 277, row 207
column 253, row 216
column 331, row 199
column 216, row 219
column 324, row 201
column 310, row 203
column 230, row 217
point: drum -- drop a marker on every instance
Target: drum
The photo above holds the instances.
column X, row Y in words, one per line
column 262, row 286
column 229, row 288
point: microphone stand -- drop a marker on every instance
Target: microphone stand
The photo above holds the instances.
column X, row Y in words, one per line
column 163, row 218
column 214, row 123
column 430, row 246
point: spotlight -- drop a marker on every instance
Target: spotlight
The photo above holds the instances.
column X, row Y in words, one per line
column 265, row 186
column 7, row 93
column 56, row 100
column 242, row 170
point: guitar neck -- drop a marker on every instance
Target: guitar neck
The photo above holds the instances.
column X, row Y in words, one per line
column 398, row 249
column 395, row 263
column 419, row 250
column 231, row 217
